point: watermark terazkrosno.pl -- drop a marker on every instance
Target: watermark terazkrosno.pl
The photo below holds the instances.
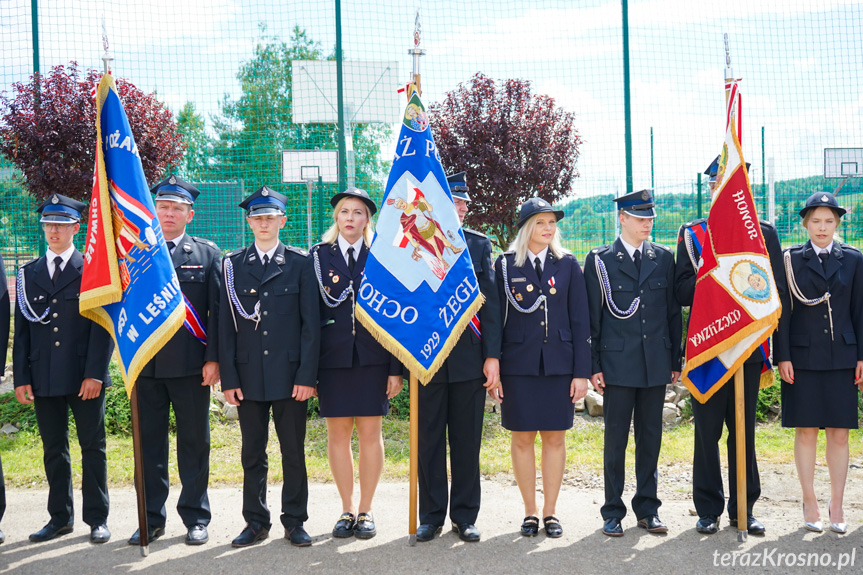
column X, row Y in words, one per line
column 772, row 557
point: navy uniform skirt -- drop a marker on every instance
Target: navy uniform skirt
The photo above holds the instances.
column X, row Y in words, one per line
column 536, row 402
column 357, row 391
column 820, row 398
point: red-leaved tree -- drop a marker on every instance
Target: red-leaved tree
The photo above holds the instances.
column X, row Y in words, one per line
column 48, row 131
column 514, row 145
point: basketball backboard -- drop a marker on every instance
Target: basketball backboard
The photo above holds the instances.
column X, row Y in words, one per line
column 300, row 166
column 370, row 92
column 843, row 162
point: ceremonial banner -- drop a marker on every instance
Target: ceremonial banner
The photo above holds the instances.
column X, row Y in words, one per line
column 736, row 306
column 419, row 291
column 128, row 284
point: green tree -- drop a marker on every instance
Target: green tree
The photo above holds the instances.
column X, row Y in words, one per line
column 191, row 126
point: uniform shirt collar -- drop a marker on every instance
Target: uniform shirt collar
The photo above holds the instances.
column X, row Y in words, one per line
column 269, row 253
column 50, row 255
column 630, row 249
column 541, row 255
column 344, row 245
column 177, row 241
column 828, row 249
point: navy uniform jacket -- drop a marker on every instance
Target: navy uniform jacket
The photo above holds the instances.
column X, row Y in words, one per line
column 54, row 358
column 5, row 311
column 643, row 350
column 465, row 361
column 196, row 262
column 804, row 333
column 337, row 340
column 685, row 274
column 268, row 361
column 566, row 348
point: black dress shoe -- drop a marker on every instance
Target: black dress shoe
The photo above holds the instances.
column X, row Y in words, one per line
column 612, row 527
column 49, row 532
column 530, row 526
column 552, row 526
column 707, row 525
column 253, row 533
column 153, row 533
column 653, row 524
column 298, row 536
column 99, row 533
column 753, row 526
column 365, row 528
column 345, row 526
column 197, row 534
column 466, row 532
column 427, row 531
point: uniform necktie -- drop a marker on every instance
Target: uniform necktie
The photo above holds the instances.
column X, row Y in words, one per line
column 171, row 246
column 637, row 257
column 823, row 256
column 351, row 261
column 538, row 267
column 57, row 261
column 266, row 261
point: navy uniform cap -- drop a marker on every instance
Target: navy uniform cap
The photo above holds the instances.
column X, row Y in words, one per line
column 458, row 185
column 822, row 199
column 712, row 169
column 265, row 202
column 175, row 189
column 536, row 206
column 638, row 204
column 358, row 193
column 60, row 209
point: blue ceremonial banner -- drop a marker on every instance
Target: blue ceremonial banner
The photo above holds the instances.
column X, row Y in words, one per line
column 419, row 291
column 128, row 284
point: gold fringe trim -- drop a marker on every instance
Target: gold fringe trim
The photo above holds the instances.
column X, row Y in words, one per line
column 111, row 292
column 397, row 349
column 705, row 356
column 768, row 379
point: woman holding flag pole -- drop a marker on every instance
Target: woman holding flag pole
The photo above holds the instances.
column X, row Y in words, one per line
column 356, row 376
column 545, row 357
column 820, row 352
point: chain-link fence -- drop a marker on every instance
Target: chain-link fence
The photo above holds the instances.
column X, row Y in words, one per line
column 250, row 79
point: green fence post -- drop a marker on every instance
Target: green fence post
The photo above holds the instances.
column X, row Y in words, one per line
column 699, row 195
column 627, row 109
column 340, row 97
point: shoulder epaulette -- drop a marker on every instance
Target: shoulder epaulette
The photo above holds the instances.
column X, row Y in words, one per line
column 34, row 260
column 474, row 232
column 205, row 242
column 296, row 250
column 235, row 252
column 694, row 222
column 600, row 249
column 850, row 247
column 768, row 224
column 662, row 246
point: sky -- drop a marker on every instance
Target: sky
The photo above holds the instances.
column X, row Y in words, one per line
column 799, row 62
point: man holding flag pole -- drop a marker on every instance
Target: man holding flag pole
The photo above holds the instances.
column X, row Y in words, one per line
column 726, row 272
column 419, row 291
column 128, row 283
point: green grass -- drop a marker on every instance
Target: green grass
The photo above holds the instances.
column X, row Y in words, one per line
column 22, row 453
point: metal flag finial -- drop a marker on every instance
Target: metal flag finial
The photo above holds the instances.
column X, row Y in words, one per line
column 418, row 29
column 416, row 52
column 729, row 73
column 106, row 57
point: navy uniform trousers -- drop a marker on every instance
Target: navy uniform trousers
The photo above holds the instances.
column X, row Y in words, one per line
column 451, row 405
column 173, row 378
column 54, row 358
column 636, row 357
column 5, row 316
column 707, row 490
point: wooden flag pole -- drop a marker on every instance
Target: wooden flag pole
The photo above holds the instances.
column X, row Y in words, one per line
column 139, row 474
column 414, row 446
column 739, row 400
column 740, row 427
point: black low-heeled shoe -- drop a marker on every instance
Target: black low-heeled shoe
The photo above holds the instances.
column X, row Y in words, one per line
column 552, row 526
column 345, row 526
column 365, row 528
column 530, row 526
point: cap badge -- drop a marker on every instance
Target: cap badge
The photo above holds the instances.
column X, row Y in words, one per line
column 541, row 203
column 645, row 195
column 172, row 180
column 824, row 199
column 55, row 199
column 265, row 193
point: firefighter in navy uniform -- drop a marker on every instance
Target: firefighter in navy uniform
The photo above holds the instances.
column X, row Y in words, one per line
column 707, row 491
column 452, row 403
column 5, row 314
column 635, row 330
column 181, row 374
column 60, row 361
column 269, row 341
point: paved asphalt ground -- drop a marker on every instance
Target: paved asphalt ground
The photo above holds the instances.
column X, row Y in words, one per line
column 582, row 549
